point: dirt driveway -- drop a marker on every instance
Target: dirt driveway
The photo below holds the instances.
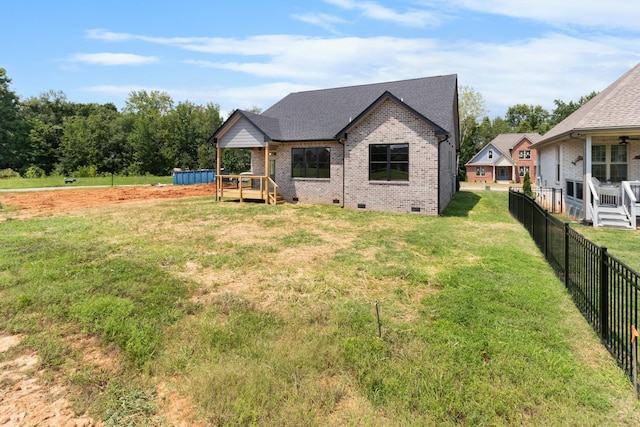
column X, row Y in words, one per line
column 28, row 204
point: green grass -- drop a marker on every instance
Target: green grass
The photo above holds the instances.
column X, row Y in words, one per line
column 58, row 181
column 264, row 315
column 621, row 243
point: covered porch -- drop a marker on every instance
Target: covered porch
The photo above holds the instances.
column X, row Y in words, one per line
column 249, row 185
column 611, row 194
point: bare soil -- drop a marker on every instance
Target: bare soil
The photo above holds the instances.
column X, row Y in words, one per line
column 25, row 399
column 29, row 204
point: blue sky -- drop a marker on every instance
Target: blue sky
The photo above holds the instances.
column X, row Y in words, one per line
column 252, row 53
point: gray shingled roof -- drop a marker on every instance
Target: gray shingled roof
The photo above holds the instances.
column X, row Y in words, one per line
column 616, row 107
column 321, row 114
column 503, row 143
column 506, row 141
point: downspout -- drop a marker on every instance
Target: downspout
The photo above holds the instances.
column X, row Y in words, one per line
column 342, row 141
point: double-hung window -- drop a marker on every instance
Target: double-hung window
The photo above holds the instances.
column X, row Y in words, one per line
column 314, row 162
column 480, row 171
column 609, row 162
column 389, row 162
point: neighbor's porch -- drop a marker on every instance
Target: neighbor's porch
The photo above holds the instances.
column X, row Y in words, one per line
column 611, row 194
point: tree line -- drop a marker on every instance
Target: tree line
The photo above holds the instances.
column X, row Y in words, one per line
column 477, row 129
column 49, row 135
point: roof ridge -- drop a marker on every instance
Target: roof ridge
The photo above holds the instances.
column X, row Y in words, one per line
column 376, row 84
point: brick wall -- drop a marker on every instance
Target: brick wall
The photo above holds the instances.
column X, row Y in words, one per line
column 309, row 190
column 389, row 123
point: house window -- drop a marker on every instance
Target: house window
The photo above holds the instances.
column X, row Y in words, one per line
column 618, row 167
column 491, row 154
column 599, row 162
column 609, row 162
column 389, row 162
column 524, row 170
column 312, row 162
column 574, row 190
column 480, row 171
column 524, row 154
column 558, row 163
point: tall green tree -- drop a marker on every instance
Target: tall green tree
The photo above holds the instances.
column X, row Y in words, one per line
column 13, row 128
column 46, row 115
column 150, row 133
column 528, row 118
column 564, row 109
column 90, row 140
column 471, row 108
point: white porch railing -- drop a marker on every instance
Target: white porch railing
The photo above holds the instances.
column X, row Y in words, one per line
column 631, row 200
column 595, row 199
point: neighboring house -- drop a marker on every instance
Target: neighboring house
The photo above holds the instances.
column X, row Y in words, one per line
column 385, row 147
column 507, row 158
column 594, row 156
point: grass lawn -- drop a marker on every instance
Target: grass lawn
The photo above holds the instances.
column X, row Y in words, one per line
column 265, row 315
column 58, row 181
column 621, row 243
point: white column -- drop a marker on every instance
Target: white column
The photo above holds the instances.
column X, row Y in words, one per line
column 586, row 192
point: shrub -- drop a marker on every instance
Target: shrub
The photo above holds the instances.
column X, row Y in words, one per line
column 526, row 185
column 9, row 173
column 86, row 172
column 35, row 172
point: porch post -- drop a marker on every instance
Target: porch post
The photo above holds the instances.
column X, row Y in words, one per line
column 266, row 160
column 218, row 176
column 586, row 192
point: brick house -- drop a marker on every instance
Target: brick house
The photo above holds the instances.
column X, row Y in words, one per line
column 385, row 147
column 507, row 158
column 593, row 157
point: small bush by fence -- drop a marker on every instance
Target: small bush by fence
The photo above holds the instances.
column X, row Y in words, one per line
column 604, row 289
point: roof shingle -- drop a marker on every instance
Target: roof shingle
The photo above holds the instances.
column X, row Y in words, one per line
column 321, row 114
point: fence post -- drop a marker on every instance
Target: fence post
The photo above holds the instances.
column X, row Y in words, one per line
column 566, row 255
column 604, row 295
column 546, row 234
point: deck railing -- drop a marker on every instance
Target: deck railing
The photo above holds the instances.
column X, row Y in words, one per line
column 245, row 186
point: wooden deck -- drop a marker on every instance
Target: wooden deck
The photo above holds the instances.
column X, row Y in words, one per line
column 247, row 187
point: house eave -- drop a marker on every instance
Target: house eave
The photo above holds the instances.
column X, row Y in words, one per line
column 583, row 132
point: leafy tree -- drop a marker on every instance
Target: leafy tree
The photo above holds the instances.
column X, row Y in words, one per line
column 150, row 132
column 471, row 108
column 90, row 140
column 564, row 110
column 528, row 118
column 46, row 115
column 13, row 128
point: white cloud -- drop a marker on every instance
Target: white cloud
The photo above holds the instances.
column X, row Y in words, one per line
column 322, row 20
column 533, row 71
column 419, row 18
column 112, row 59
column 597, row 14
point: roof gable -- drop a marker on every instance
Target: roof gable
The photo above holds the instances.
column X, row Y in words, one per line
column 616, row 107
column 482, row 157
column 507, row 141
column 268, row 126
column 389, row 96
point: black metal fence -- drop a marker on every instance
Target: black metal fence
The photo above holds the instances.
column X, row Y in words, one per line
column 604, row 289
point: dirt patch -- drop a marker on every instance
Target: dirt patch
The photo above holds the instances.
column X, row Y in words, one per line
column 29, row 204
column 25, row 401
